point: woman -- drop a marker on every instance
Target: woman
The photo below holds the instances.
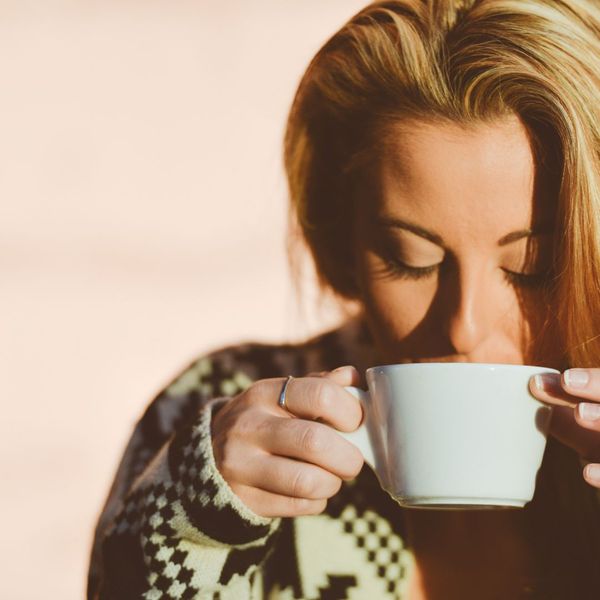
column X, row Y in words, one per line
column 443, row 159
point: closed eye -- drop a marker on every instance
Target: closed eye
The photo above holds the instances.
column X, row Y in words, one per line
column 397, row 268
column 527, row 279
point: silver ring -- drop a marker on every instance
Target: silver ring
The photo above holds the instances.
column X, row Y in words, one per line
column 281, row 401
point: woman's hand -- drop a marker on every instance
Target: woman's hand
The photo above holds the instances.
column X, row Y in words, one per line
column 576, row 416
column 284, row 463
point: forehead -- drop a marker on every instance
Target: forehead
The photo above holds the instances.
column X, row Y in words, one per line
column 480, row 178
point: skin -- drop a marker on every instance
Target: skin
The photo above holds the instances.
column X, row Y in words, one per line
column 466, row 206
column 471, row 187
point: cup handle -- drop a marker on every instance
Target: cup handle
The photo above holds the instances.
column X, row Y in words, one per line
column 360, row 437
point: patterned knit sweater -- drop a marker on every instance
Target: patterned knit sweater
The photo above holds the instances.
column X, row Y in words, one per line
column 172, row 527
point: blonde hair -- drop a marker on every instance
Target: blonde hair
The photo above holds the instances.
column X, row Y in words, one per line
column 465, row 61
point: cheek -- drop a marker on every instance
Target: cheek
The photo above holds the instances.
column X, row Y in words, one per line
column 395, row 308
column 539, row 331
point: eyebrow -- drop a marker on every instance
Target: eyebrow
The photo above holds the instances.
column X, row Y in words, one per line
column 509, row 238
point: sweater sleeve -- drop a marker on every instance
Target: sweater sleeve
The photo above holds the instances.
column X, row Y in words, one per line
column 172, row 527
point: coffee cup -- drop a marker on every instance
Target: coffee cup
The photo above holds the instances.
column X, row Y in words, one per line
column 453, row 435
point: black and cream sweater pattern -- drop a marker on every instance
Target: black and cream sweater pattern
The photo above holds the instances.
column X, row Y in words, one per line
column 172, row 528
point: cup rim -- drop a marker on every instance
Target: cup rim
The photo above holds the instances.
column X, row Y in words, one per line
column 464, row 365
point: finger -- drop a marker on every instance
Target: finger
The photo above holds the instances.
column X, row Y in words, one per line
column 288, row 477
column 568, row 387
column 565, row 427
column 346, row 375
column 310, row 398
column 587, row 415
column 547, row 388
column 325, row 399
column 583, row 383
column 311, row 442
column 267, row 504
column 591, row 473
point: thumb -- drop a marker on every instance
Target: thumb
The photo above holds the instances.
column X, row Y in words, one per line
column 344, row 376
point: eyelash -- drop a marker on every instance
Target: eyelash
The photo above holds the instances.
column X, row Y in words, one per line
column 398, row 268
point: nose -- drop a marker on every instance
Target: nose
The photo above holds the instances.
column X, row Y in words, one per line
column 472, row 308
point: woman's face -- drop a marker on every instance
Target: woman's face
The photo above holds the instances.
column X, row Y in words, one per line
column 453, row 242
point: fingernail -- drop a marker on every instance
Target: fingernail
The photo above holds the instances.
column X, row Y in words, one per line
column 341, row 368
column 592, row 471
column 588, row 411
column 547, row 382
column 576, row 378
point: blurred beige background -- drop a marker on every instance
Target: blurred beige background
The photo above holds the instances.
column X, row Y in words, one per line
column 142, row 213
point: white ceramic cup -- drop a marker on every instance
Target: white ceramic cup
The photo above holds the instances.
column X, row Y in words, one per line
column 453, row 435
